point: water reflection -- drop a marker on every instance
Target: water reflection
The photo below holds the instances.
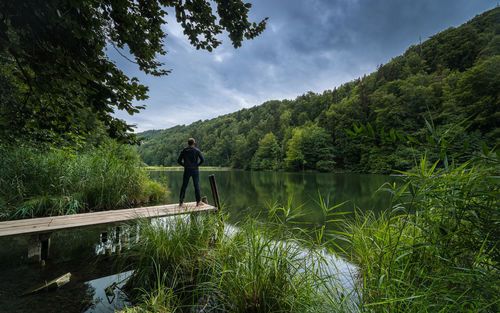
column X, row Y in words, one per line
column 116, row 239
column 246, row 193
column 82, row 252
column 108, row 296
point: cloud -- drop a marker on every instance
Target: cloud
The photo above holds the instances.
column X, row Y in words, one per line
column 309, row 45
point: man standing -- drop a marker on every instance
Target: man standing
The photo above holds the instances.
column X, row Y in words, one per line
column 190, row 158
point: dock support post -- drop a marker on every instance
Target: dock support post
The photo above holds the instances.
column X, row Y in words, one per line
column 117, row 234
column 104, row 237
column 38, row 247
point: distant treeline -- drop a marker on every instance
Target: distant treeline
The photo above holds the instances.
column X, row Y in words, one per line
column 453, row 76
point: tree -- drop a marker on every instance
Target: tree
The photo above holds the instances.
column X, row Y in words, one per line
column 240, row 154
column 294, row 157
column 266, row 156
column 310, row 148
column 53, row 55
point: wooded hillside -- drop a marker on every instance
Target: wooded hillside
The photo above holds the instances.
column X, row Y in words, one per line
column 452, row 76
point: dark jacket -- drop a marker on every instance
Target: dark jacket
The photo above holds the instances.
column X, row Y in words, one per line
column 189, row 158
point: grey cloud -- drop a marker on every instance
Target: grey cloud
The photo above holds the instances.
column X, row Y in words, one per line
column 308, row 45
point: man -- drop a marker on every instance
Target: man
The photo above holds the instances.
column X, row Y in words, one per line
column 190, row 158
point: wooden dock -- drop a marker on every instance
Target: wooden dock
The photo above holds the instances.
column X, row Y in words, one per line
column 33, row 226
column 40, row 229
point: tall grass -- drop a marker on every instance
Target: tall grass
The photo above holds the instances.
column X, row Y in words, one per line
column 43, row 182
column 437, row 251
column 255, row 273
column 160, row 298
column 176, row 246
column 245, row 270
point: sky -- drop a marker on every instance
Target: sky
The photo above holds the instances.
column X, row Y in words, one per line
column 308, row 45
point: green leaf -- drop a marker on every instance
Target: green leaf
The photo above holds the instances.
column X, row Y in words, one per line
column 485, row 148
column 413, row 139
column 429, row 127
column 349, row 132
column 393, row 135
column 466, row 144
column 430, row 140
column 357, row 129
column 370, row 129
column 382, row 134
column 400, row 137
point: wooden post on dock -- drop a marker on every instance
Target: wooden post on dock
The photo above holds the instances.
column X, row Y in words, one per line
column 215, row 192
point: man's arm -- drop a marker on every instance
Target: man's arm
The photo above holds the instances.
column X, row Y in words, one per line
column 180, row 159
column 202, row 159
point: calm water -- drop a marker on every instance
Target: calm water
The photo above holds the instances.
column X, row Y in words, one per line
column 91, row 260
column 82, row 252
column 245, row 193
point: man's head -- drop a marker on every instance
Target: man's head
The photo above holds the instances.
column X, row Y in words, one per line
column 191, row 142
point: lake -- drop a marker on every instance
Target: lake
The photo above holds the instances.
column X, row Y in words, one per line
column 92, row 260
column 247, row 193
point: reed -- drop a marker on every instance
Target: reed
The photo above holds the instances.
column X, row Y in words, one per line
column 177, row 245
column 44, row 182
column 245, row 270
column 437, row 249
column 160, row 298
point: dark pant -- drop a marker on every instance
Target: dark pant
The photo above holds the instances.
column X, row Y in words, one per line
column 188, row 172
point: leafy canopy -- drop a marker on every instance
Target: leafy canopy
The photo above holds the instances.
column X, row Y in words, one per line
column 55, row 71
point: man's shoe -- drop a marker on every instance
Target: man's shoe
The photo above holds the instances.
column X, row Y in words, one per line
column 200, row 203
column 181, row 203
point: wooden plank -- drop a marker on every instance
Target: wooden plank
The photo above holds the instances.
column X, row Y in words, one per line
column 64, row 222
column 53, row 223
column 146, row 211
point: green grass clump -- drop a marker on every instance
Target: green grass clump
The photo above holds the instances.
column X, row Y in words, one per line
column 160, row 298
column 255, row 273
column 245, row 269
column 437, row 251
column 177, row 246
column 43, row 182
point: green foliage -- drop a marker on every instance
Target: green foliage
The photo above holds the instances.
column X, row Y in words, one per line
column 259, row 274
column 43, row 181
column 437, row 250
column 310, row 148
column 441, row 258
column 244, row 269
column 54, row 65
column 160, row 299
column 446, row 79
column 171, row 251
column 266, row 156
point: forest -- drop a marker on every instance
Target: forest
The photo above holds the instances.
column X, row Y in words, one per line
column 452, row 78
